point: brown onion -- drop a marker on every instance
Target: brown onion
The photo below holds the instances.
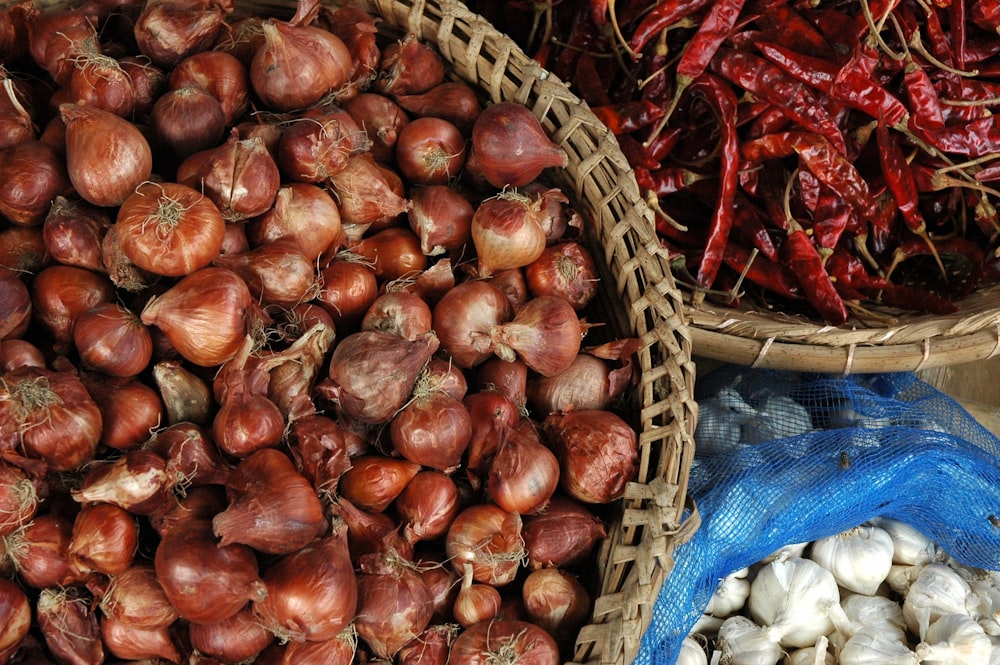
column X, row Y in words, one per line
column 463, row 318
column 57, row 419
column 19, row 497
column 506, row 232
column 277, row 273
column 107, row 157
column 598, row 453
column 475, row 602
column 494, row 417
column 394, row 253
column 74, row 231
column 187, row 120
column 487, row 538
column 22, row 249
column 427, row 505
column 302, row 213
column 338, row 651
column 15, row 353
column 61, row 294
column 318, row 144
column 372, row 373
column 349, row 287
column 272, row 507
column 204, row 315
column 367, row 533
column 192, row 457
column 34, row 173
column 69, row 626
column 441, row 217
column 239, row 176
column 566, row 270
column 137, row 482
column 168, row 31
column 130, row 409
column 297, row 65
column 556, row 601
column 382, row 120
column 104, row 539
column 312, row 594
column 367, row 193
column 433, row 429
column 430, row 151
column 590, row 382
column 563, row 534
column 130, row 642
column 148, row 81
column 524, row 473
column 111, row 339
column 431, row 647
column 40, row 552
column 399, row 313
column 394, row 605
column 99, row 81
column 509, row 378
column 511, row 146
column 203, row 580
column 504, row 639
column 373, row 482
column 318, row 445
column 409, row 67
column 135, row 597
column 221, row 75
column 455, row 101
column 545, row 334
column 234, row 640
column 16, row 121
column 15, row 306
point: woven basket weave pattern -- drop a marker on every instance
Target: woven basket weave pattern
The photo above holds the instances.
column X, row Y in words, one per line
column 639, row 298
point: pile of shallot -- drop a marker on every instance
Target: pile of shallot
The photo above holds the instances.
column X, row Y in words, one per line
column 881, row 593
column 292, row 361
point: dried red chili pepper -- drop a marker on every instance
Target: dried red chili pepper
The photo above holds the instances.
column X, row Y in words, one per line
column 925, row 104
column 816, row 153
column 661, row 17
column 846, row 83
column 762, row 271
column 628, row 117
column 975, row 138
column 782, row 23
column 807, row 265
column 768, row 82
column 667, row 180
column 717, row 94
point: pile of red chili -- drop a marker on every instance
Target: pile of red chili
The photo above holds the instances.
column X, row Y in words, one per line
column 816, row 157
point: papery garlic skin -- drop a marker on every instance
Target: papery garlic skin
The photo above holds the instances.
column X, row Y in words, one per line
column 859, row 558
column 793, row 551
column 742, row 642
column 955, row 639
column 876, row 648
column 794, row 600
column 901, row 576
column 985, row 585
column 819, row 654
column 868, row 614
column 691, row 653
column 730, row 595
column 707, row 625
column 910, row 546
column 937, row 591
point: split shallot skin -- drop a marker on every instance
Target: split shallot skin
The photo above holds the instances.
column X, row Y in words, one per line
column 293, row 366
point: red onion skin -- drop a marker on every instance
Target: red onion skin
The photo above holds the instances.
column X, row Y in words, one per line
column 134, row 643
column 488, row 538
column 135, row 597
column 236, row 639
column 15, row 617
column 272, row 507
column 45, row 561
column 564, row 534
column 531, row 644
column 427, row 505
column 312, row 594
column 203, row 580
column 394, row 605
column 431, row 647
column 70, row 628
column 104, row 540
column 432, row 430
column 511, row 147
column 598, row 453
column 524, row 474
column 545, row 334
column 463, row 318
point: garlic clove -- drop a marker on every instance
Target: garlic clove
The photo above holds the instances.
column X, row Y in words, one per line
column 955, row 639
column 730, row 595
column 876, row 648
column 859, row 558
column 742, row 642
column 937, row 591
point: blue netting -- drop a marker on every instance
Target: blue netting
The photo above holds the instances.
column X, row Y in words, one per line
column 786, row 457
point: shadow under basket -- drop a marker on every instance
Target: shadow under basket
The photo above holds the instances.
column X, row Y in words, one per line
column 638, row 298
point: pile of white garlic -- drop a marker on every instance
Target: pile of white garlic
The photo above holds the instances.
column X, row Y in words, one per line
column 881, row 593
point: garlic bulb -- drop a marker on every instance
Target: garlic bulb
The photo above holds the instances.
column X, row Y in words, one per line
column 707, row 625
column 871, row 614
column 777, row 417
column 986, row 592
column 793, row 600
column 955, row 639
column 730, row 595
column 937, row 591
column 691, row 653
column 792, row 551
column 859, row 558
column 742, row 642
column 720, row 422
column 819, row 654
column 876, row 648
column 901, row 576
column 910, row 546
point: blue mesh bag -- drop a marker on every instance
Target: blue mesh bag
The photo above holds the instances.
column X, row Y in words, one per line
column 787, row 457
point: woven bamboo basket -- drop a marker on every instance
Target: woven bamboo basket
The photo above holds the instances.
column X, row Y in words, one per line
column 897, row 342
column 639, row 298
